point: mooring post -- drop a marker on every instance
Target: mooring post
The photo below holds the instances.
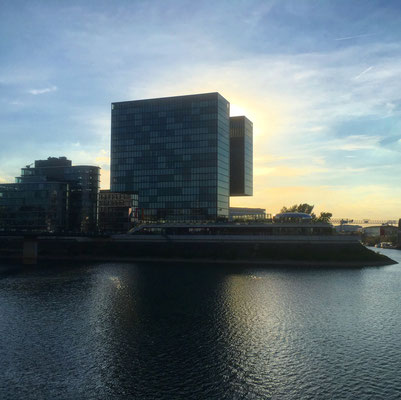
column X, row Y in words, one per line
column 30, row 250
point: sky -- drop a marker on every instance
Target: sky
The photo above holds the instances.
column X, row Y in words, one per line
column 319, row 79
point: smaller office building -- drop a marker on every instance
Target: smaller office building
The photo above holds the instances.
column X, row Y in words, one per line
column 117, row 211
column 52, row 196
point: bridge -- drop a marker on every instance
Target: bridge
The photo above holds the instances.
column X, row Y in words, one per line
column 365, row 221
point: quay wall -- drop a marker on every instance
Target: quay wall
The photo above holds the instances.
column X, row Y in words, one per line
column 305, row 249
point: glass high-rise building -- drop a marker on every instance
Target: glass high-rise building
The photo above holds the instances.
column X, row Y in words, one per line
column 241, row 156
column 174, row 153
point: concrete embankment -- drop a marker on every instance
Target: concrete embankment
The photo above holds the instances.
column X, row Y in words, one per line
column 319, row 251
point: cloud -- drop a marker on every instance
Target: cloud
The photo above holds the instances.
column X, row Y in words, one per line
column 317, row 128
column 42, row 91
column 355, row 142
column 345, row 202
column 286, row 171
column 363, row 72
column 5, row 178
column 95, row 122
column 355, row 36
column 16, row 103
column 299, row 90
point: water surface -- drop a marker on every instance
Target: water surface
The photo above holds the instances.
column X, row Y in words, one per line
column 199, row 331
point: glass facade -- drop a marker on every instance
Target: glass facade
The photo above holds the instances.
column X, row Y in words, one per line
column 48, row 188
column 33, row 206
column 84, row 182
column 241, row 156
column 174, row 153
column 117, row 211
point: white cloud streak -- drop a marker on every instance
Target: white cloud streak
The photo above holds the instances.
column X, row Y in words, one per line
column 363, row 72
column 355, row 36
column 36, row 92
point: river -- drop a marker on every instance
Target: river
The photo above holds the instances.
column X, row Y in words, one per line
column 199, row 331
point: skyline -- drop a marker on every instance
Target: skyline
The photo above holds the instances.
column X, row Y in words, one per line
column 318, row 80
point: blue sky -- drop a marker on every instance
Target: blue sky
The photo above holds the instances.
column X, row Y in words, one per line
column 319, row 79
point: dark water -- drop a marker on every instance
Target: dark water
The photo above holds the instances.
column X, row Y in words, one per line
column 166, row 331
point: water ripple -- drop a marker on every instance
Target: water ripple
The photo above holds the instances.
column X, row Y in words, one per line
column 117, row 331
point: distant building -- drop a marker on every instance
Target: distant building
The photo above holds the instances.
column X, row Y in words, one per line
column 174, row 153
column 241, row 156
column 117, row 211
column 52, row 190
column 347, row 228
column 381, row 233
column 380, row 230
column 242, row 213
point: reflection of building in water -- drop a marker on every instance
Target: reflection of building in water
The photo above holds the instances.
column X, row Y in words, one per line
column 53, row 195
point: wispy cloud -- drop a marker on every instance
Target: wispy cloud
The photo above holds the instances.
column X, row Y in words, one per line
column 355, row 36
column 43, row 91
column 364, row 72
column 16, row 103
column 286, row 171
column 322, row 109
column 355, row 142
column 96, row 123
column 4, row 177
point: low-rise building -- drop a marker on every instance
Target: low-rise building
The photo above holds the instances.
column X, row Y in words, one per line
column 242, row 213
column 117, row 211
column 381, row 233
column 380, row 230
column 348, row 228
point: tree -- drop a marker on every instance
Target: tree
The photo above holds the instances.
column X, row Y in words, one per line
column 302, row 208
column 324, row 217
